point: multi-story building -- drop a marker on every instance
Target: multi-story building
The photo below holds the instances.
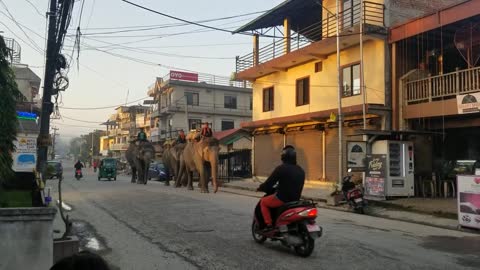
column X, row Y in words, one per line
column 436, row 89
column 182, row 101
column 297, row 84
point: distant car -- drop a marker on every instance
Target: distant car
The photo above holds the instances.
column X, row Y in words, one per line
column 54, row 169
column 157, row 171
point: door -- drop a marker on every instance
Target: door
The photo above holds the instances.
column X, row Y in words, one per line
column 309, row 152
column 268, row 149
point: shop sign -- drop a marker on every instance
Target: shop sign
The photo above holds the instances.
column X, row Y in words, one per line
column 375, row 175
column 25, row 155
column 356, row 155
column 183, row 76
column 468, row 200
column 469, row 103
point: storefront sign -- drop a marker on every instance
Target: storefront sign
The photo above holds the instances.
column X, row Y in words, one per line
column 27, row 116
column 183, row 76
column 375, row 175
column 469, row 200
column 469, row 103
column 25, row 155
column 356, row 155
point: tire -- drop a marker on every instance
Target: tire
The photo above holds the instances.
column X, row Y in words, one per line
column 257, row 237
column 115, row 178
column 308, row 245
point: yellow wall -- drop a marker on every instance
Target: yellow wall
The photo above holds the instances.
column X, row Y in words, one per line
column 323, row 85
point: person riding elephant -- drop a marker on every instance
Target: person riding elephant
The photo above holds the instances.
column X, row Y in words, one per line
column 198, row 156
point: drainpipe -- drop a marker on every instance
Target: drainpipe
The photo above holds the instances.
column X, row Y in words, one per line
column 253, row 155
column 324, row 156
column 284, row 139
column 255, row 49
column 287, row 35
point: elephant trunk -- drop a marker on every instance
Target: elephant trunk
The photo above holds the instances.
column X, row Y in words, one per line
column 214, row 164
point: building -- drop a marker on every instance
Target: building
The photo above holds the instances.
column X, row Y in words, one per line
column 183, row 100
column 436, row 76
column 295, row 84
column 122, row 127
column 233, row 140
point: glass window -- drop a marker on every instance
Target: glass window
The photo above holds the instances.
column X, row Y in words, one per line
column 351, row 81
column 192, row 98
column 303, row 91
column 268, row 99
column 194, row 124
column 230, row 102
column 228, row 124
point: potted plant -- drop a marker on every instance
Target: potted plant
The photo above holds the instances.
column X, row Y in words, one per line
column 336, row 195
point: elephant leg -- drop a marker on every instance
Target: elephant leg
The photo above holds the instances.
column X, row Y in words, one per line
column 139, row 170
column 134, row 174
column 201, row 172
column 190, row 180
column 181, row 173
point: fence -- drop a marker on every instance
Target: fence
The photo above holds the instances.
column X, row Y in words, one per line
column 235, row 165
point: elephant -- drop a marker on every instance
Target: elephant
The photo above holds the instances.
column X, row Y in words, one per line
column 171, row 159
column 167, row 162
column 139, row 155
column 197, row 156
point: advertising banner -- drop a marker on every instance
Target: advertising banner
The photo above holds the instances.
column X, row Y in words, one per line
column 25, row 155
column 183, row 76
column 375, row 175
column 469, row 103
column 469, row 200
column 356, row 155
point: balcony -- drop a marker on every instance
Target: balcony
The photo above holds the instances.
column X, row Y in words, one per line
column 437, row 95
column 315, row 41
column 205, row 78
column 212, row 109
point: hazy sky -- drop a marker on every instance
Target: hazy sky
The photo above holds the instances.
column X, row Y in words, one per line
column 104, row 80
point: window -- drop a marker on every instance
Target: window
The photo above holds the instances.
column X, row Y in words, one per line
column 230, row 102
column 251, row 103
column 268, row 99
column 318, row 67
column 303, row 91
column 227, row 124
column 192, row 98
column 351, row 80
column 194, row 123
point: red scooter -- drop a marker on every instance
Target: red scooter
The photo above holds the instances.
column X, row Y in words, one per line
column 78, row 174
column 294, row 226
column 352, row 194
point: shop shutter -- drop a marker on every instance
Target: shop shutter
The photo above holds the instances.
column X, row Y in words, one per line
column 267, row 153
column 309, row 152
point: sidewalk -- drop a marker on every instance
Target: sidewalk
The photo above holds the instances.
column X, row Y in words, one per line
column 434, row 212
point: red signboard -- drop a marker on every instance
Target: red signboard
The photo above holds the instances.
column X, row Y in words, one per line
column 183, row 76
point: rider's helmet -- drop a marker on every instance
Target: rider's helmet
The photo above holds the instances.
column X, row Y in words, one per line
column 289, row 155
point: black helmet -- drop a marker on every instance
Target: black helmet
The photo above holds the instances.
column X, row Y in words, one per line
column 289, row 155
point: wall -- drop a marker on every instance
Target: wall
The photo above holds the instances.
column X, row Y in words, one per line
column 27, row 237
column 323, row 85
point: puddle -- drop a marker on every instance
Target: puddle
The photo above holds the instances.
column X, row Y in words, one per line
column 458, row 245
column 88, row 237
column 65, row 206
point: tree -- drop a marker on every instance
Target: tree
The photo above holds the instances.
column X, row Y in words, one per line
column 9, row 94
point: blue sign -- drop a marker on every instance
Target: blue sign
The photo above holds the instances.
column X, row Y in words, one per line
column 27, row 115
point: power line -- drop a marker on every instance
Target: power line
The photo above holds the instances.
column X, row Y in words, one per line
column 36, row 9
column 83, row 121
column 21, row 39
column 102, row 108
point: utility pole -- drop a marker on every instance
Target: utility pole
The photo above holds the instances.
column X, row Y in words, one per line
column 339, row 90
column 47, row 106
column 53, row 142
column 362, row 71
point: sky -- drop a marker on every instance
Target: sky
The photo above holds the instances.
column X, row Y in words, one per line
column 99, row 79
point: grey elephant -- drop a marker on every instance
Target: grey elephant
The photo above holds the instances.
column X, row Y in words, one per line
column 139, row 155
column 202, row 157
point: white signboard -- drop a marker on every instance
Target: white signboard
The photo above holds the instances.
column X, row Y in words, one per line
column 356, row 155
column 469, row 103
column 469, row 200
column 25, row 155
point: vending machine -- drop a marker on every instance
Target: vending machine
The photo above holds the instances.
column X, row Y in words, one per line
column 399, row 167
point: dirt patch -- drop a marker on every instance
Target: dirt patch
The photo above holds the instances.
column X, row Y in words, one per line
column 458, row 245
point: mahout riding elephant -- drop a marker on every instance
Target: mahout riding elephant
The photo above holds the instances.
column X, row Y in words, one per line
column 200, row 156
column 139, row 155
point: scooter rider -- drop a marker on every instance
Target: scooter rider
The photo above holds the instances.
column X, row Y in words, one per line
column 78, row 166
column 290, row 178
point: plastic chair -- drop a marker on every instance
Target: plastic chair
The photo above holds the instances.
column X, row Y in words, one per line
column 446, row 183
column 431, row 183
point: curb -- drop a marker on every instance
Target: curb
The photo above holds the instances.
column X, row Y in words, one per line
column 375, row 203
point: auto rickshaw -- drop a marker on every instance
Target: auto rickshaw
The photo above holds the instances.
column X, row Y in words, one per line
column 108, row 169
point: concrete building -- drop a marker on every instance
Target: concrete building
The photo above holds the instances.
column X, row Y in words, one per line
column 295, row 85
column 182, row 101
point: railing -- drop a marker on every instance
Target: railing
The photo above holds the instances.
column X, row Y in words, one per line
column 218, row 109
column 443, row 86
column 373, row 14
column 215, row 80
column 15, row 51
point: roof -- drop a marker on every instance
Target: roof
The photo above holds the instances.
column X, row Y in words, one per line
column 225, row 133
column 230, row 136
column 302, row 13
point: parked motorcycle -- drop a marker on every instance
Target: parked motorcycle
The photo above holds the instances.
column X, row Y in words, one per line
column 352, row 194
column 294, row 226
column 78, row 174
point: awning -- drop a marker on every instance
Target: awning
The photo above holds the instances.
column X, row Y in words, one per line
column 302, row 13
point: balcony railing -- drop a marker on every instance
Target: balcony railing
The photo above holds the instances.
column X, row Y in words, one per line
column 373, row 14
column 205, row 108
column 215, row 80
column 443, row 86
column 14, row 51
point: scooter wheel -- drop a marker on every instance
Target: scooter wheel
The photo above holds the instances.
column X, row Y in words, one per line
column 257, row 236
column 308, row 245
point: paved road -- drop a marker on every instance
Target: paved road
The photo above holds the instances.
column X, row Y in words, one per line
column 157, row 227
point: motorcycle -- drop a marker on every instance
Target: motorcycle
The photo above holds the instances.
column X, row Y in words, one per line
column 352, row 194
column 294, row 226
column 78, row 174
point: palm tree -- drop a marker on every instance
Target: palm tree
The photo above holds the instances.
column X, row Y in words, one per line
column 9, row 94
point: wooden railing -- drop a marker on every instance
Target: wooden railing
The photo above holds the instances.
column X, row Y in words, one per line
column 443, row 86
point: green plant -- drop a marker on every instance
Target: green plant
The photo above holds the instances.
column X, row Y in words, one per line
column 9, row 94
